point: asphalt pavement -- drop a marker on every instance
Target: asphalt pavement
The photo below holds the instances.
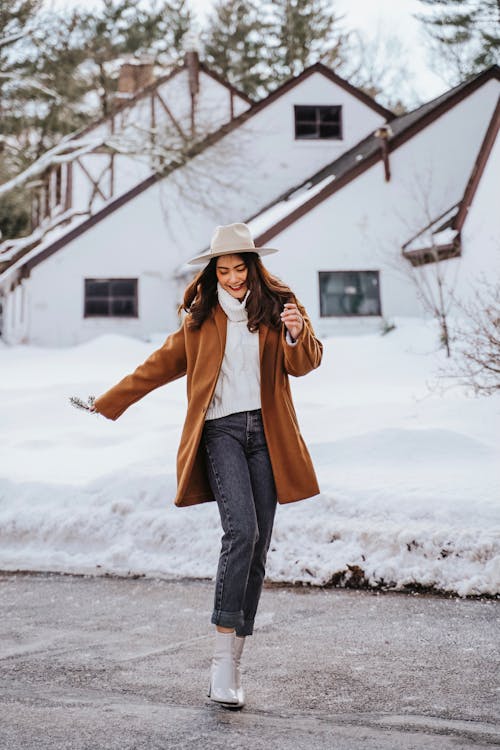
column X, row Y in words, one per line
column 122, row 664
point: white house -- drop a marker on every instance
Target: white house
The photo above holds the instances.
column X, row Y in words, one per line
column 319, row 168
column 368, row 222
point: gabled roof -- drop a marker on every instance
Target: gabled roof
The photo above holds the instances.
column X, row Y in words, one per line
column 360, row 158
column 150, row 88
column 328, row 73
column 34, row 258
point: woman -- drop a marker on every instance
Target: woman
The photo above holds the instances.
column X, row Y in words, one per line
column 243, row 334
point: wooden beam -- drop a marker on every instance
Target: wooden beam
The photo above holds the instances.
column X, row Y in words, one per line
column 97, row 189
column 169, row 113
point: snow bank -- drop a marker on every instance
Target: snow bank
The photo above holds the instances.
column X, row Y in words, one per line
column 408, row 473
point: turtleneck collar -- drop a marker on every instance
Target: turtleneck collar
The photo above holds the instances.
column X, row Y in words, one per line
column 234, row 309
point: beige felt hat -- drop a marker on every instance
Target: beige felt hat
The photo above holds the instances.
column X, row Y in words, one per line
column 233, row 238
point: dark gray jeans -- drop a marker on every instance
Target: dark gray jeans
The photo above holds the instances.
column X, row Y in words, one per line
column 241, row 478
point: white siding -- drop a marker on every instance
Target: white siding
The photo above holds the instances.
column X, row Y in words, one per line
column 364, row 225
column 481, row 231
column 134, row 123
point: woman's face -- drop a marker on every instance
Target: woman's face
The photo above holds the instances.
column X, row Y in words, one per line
column 232, row 275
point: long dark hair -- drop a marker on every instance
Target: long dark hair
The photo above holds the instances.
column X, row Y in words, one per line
column 267, row 294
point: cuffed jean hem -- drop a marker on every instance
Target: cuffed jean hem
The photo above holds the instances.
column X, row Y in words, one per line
column 227, row 619
column 245, row 629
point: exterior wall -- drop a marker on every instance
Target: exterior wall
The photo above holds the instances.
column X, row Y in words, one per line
column 250, row 167
column 481, row 232
column 151, row 236
column 15, row 314
column 268, row 141
column 213, row 109
column 130, row 244
column 364, row 225
column 269, row 133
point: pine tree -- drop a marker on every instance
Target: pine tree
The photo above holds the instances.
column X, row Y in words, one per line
column 16, row 24
column 130, row 27
column 465, row 35
column 59, row 61
column 235, row 45
column 58, row 71
column 304, row 32
column 16, row 27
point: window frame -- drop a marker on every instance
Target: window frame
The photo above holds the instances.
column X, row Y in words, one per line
column 317, row 122
column 351, row 315
column 111, row 298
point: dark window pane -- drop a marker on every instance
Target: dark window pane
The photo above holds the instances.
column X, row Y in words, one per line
column 58, row 183
column 329, row 114
column 349, row 293
column 318, row 122
column 96, row 288
column 305, row 114
column 96, row 307
column 306, row 131
column 329, row 131
column 123, row 288
column 123, row 307
column 111, row 297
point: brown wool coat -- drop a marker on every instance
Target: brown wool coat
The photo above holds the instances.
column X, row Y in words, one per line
column 198, row 354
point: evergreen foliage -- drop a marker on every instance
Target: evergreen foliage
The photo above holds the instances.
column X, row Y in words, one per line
column 16, row 26
column 235, row 45
column 130, row 27
column 304, row 31
column 59, row 71
column 465, row 35
column 258, row 44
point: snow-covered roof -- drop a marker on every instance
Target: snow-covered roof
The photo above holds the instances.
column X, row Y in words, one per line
column 19, row 252
column 83, row 140
column 285, row 210
column 438, row 233
column 300, row 199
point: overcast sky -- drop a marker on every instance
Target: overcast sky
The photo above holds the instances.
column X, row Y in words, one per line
column 392, row 16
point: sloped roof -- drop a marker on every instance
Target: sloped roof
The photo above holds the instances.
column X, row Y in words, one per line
column 48, row 248
column 360, row 158
column 147, row 90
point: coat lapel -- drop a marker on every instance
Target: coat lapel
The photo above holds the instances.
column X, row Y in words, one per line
column 221, row 325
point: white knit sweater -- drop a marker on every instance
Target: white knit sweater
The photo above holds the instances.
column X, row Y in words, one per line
column 238, row 385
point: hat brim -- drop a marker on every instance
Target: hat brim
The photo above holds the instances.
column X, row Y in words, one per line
column 206, row 257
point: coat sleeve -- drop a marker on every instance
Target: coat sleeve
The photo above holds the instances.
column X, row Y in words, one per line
column 165, row 364
column 307, row 351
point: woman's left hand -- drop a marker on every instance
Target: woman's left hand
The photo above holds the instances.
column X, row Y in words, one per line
column 292, row 319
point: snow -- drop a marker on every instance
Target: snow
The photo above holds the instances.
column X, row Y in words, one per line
column 408, row 471
column 47, row 231
column 269, row 217
column 433, row 235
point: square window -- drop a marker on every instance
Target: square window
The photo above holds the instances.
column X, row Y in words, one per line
column 115, row 298
column 315, row 122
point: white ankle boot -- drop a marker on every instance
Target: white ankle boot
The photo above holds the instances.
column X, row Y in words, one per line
column 223, row 688
column 239, row 642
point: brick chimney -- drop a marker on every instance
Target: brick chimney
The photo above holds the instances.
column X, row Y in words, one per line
column 192, row 62
column 191, row 44
column 135, row 75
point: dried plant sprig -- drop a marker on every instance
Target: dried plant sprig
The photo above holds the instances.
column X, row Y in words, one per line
column 88, row 405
